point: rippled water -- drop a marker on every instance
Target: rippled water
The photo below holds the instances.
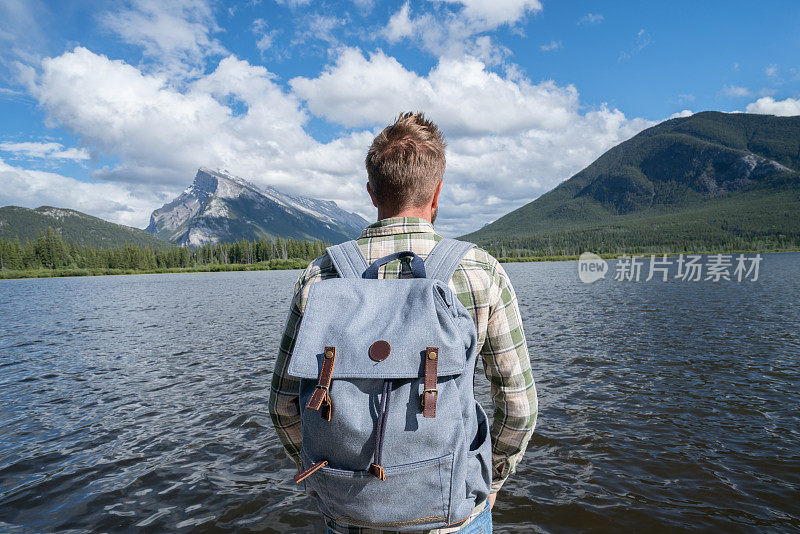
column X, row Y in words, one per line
column 139, row 403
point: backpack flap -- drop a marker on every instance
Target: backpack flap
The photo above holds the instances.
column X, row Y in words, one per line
column 353, row 314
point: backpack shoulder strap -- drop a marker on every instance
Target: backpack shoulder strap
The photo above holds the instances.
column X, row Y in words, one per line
column 348, row 259
column 443, row 260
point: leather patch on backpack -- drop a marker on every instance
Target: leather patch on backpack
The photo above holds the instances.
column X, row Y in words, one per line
column 379, row 350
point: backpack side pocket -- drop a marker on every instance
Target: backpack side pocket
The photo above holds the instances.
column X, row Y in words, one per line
column 414, row 496
column 476, row 469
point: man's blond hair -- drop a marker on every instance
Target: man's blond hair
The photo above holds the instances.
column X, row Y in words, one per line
column 406, row 162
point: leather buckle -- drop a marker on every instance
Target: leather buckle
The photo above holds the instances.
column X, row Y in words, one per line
column 422, row 396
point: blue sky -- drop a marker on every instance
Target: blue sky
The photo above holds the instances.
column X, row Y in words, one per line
column 110, row 107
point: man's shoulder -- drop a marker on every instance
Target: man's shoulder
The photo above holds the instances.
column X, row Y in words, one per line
column 320, row 268
column 479, row 258
column 477, row 261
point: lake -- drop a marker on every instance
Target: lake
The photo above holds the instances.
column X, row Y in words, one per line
column 140, row 403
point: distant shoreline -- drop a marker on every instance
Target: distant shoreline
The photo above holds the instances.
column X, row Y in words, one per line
column 606, row 256
column 279, row 265
column 271, row 265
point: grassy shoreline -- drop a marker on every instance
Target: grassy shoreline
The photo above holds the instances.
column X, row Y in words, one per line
column 272, row 265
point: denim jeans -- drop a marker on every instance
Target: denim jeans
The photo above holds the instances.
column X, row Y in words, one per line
column 481, row 524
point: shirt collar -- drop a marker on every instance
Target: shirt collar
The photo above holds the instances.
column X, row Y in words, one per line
column 398, row 225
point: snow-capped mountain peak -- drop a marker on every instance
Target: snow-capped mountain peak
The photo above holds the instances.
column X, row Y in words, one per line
column 219, row 206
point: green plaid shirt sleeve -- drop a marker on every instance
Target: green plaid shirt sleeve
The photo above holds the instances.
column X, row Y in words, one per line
column 506, row 363
column 284, row 398
column 481, row 284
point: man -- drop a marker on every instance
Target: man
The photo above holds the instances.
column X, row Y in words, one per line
column 405, row 167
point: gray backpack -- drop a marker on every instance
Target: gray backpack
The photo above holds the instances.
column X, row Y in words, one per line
column 392, row 434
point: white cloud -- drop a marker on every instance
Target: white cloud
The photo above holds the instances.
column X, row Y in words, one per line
column 446, row 32
column 590, row 19
column 494, row 13
column 399, row 25
column 236, row 117
column 293, row 3
column 770, row 106
column 735, row 91
column 551, row 46
column 176, row 35
column 48, row 150
column 264, row 42
column 643, row 40
column 264, row 37
column 682, row 113
column 113, row 202
column 771, row 71
column 119, row 110
column 21, row 33
column 320, row 27
column 6, row 93
column 511, row 137
column 507, row 135
column 462, row 94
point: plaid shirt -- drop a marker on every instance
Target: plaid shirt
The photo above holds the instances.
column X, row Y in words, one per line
column 483, row 287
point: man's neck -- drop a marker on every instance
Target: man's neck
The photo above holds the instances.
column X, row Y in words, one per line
column 412, row 212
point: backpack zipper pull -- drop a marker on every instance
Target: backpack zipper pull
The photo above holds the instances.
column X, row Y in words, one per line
column 380, row 429
column 377, row 471
column 307, row 472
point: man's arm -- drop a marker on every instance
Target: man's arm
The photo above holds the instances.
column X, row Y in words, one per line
column 284, row 397
column 507, row 365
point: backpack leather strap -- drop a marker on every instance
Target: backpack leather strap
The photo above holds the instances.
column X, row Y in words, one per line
column 430, row 393
column 321, row 398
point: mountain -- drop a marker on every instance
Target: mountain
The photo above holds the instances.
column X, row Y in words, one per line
column 221, row 207
column 26, row 224
column 711, row 180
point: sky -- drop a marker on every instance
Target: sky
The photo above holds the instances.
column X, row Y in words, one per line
column 110, row 107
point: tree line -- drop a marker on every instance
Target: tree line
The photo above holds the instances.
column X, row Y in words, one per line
column 51, row 251
column 633, row 241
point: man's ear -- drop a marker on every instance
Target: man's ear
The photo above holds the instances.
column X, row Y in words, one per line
column 372, row 195
column 435, row 201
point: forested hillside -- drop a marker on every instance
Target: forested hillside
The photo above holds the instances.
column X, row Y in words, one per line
column 712, row 181
column 27, row 224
